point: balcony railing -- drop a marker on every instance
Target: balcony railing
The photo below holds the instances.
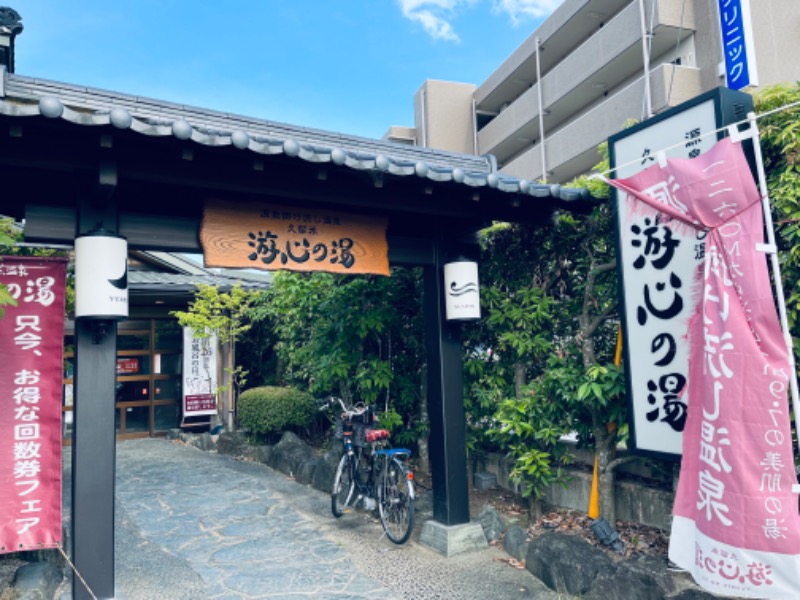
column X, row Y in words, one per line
column 572, row 150
column 605, row 60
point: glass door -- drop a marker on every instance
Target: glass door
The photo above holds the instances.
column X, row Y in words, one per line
column 133, row 394
column 148, row 389
column 167, row 375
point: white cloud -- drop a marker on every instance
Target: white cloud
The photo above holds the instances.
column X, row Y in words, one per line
column 434, row 16
column 520, row 10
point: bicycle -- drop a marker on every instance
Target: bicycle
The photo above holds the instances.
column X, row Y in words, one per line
column 373, row 473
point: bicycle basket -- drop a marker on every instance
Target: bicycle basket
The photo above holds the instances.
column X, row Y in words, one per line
column 359, row 434
column 359, row 425
column 341, row 425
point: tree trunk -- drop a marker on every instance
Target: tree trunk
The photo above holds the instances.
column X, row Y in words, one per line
column 535, row 509
column 220, row 391
column 676, row 469
column 519, row 378
column 278, row 370
column 232, row 392
column 605, row 484
column 422, row 441
column 604, row 435
column 229, row 385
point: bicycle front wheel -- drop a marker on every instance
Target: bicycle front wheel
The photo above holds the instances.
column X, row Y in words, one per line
column 396, row 502
column 343, row 487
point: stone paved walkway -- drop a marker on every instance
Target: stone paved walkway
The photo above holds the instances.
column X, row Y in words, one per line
column 194, row 525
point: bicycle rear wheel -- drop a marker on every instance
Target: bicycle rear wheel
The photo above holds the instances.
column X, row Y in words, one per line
column 343, row 487
column 396, row 501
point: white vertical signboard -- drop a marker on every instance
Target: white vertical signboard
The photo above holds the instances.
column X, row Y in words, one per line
column 462, row 294
column 658, row 261
column 199, row 374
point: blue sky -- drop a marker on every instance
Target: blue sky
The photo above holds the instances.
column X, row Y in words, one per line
column 350, row 66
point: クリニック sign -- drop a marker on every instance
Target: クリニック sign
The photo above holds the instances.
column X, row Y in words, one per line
column 31, row 375
column 738, row 46
column 735, row 526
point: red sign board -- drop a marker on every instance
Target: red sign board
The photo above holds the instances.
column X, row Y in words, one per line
column 127, row 366
column 200, row 404
column 32, row 347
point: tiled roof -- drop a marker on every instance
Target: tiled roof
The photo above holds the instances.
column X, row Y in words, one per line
column 152, row 280
column 27, row 96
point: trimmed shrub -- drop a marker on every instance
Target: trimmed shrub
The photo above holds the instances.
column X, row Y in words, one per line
column 270, row 410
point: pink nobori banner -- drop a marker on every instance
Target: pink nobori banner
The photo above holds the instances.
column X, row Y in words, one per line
column 736, row 526
column 31, row 375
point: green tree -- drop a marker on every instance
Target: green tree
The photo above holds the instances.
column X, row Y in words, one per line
column 5, row 299
column 6, row 245
column 530, row 427
column 359, row 338
column 255, row 352
column 562, row 350
column 10, row 234
column 220, row 314
column 780, row 145
column 524, row 271
column 599, row 405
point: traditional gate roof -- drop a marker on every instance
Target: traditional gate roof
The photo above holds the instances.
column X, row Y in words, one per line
column 167, row 158
column 27, row 96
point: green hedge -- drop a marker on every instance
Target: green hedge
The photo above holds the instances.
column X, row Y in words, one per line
column 268, row 410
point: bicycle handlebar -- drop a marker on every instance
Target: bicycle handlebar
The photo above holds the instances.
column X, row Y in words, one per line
column 355, row 411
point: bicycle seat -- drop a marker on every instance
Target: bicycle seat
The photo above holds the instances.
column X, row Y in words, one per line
column 373, row 435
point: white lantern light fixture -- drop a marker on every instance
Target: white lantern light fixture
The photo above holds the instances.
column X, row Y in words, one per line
column 101, row 276
column 462, row 294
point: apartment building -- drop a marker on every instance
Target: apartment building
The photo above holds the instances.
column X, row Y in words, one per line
column 589, row 68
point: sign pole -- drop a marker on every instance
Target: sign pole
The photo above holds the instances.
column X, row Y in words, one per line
column 93, row 434
column 771, row 248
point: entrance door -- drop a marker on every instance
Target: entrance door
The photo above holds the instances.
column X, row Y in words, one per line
column 148, row 391
column 148, row 377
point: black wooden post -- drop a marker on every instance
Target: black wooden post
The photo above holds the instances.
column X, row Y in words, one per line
column 93, row 458
column 94, row 435
column 448, row 450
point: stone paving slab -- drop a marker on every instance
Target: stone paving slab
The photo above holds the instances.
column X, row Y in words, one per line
column 193, row 525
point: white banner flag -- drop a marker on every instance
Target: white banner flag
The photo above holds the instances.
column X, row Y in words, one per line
column 199, row 374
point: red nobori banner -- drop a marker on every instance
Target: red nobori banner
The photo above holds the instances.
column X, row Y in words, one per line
column 32, row 347
column 735, row 526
